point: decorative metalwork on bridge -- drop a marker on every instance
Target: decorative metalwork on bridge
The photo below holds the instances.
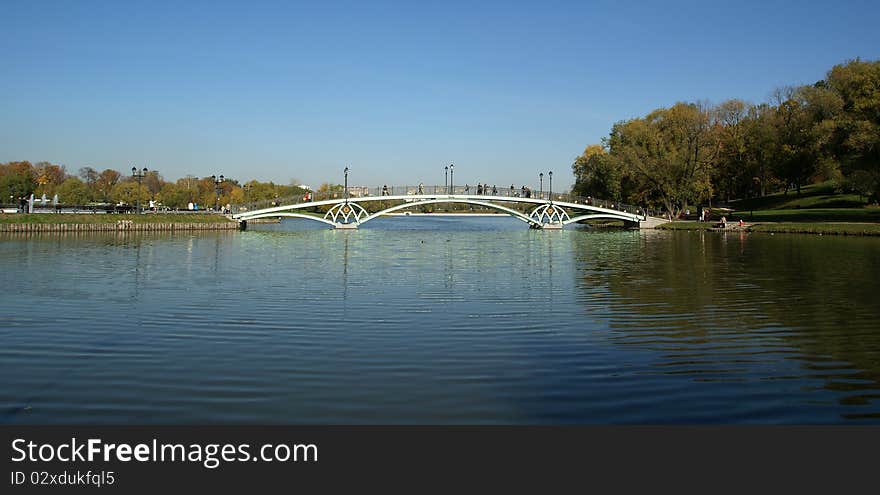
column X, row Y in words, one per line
column 549, row 214
column 346, row 213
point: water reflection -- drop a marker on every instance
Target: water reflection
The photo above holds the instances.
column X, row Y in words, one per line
column 438, row 320
column 741, row 308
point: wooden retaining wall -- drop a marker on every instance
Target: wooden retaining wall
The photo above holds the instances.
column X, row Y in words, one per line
column 122, row 225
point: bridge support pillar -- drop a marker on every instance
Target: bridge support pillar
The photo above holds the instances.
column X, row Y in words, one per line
column 347, row 226
column 651, row 223
column 242, row 225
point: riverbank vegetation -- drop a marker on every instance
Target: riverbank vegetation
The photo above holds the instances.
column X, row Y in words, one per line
column 86, row 218
column 88, row 186
column 829, row 228
column 694, row 154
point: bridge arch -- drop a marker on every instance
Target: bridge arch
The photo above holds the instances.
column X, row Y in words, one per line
column 599, row 216
column 485, row 204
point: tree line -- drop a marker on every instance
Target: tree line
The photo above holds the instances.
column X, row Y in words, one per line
column 693, row 153
column 88, row 186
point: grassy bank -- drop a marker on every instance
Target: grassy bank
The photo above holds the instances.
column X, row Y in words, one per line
column 822, row 195
column 100, row 218
column 833, row 228
column 853, row 215
column 827, row 228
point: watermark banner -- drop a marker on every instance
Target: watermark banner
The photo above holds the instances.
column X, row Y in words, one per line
column 414, row 458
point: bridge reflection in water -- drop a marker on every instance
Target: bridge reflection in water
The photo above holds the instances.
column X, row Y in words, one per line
column 349, row 212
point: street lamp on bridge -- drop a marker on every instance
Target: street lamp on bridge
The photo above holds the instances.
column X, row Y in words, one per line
column 346, row 183
column 451, row 178
column 139, row 176
column 550, row 187
column 446, row 178
column 541, row 180
column 218, row 186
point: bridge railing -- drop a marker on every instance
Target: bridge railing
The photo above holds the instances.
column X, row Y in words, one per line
column 421, row 189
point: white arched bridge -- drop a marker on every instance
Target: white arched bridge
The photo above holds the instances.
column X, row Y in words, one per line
column 350, row 211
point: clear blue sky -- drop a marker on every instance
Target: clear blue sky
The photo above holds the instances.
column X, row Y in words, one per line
column 281, row 90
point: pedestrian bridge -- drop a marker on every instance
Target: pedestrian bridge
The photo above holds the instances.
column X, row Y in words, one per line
column 540, row 213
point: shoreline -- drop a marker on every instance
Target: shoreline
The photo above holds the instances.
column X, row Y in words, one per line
column 90, row 222
column 815, row 228
column 121, row 226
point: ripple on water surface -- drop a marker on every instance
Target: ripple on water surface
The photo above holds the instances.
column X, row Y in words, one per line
column 419, row 319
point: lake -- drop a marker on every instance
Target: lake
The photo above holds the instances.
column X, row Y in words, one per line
column 439, row 320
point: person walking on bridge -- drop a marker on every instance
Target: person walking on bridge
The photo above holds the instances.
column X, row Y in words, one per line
column 494, row 190
column 385, row 190
column 467, row 189
column 421, row 188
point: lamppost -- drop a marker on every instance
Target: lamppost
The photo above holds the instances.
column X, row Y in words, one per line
column 218, row 183
column 550, row 187
column 451, row 178
column 541, row 180
column 446, row 179
column 346, row 184
column 139, row 176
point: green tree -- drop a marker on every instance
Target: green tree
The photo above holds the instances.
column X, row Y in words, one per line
column 804, row 118
column 857, row 126
column 73, row 192
column 670, row 152
column 128, row 192
column 760, row 139
column 173, row 196
column 17, row 180
column 596, row 174
column 731, row 177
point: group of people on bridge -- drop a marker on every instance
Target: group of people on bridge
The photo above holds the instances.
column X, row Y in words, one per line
column 481, row 189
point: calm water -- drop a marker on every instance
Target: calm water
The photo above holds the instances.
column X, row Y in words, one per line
column 439, row 320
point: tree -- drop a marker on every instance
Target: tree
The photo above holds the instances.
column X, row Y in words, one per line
column 173, row 196
column 670, row 152
column 805, row 127
column 328, row 190
column 88, row 175
column 857, row 126
column 596, row 174
column 48, row 177
column 731, row 177
column 188, row 190
column 17, row 180
column 73, row 192
column 107, row 180
column 760, row 140
column 153, row 182
column 128, row 192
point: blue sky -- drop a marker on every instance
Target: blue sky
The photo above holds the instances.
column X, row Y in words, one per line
column 396, row 90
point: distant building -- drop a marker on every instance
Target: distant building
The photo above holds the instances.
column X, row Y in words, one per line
column 358, row 191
